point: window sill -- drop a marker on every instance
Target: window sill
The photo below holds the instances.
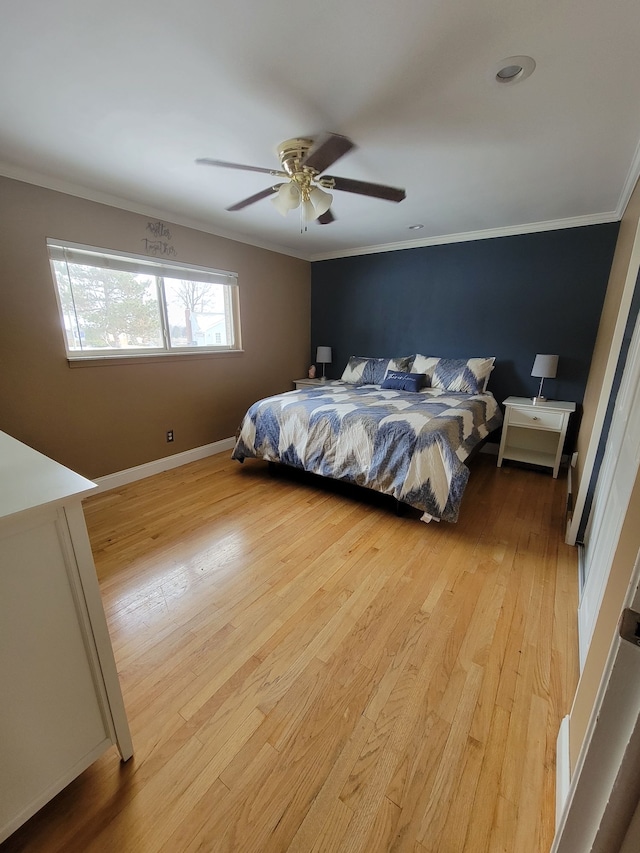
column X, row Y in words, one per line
column 155, row 358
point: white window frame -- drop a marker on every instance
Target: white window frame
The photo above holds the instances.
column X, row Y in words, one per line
column 78, row 253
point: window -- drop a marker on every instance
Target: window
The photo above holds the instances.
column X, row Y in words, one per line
column 113, row 304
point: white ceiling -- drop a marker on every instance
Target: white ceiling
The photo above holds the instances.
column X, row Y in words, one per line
column 114, row 102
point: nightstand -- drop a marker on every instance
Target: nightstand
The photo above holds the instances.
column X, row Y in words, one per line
column 314, row 383
column 534, row 433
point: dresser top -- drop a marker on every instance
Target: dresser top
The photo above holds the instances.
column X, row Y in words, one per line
column 29, row 479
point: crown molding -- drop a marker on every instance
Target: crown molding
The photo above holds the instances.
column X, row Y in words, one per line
column 47, row 182
column 468, row 236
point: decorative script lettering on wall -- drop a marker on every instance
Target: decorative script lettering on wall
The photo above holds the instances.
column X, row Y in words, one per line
column 159, row 245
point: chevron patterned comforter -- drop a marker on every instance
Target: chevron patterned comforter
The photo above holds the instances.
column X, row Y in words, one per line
column 409, row 445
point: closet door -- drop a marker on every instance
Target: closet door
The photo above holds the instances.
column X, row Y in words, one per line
column 611, row 496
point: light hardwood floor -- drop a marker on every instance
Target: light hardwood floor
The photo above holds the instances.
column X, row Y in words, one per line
column 304, row 671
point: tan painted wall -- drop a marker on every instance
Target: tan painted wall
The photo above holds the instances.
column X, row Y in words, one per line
column 629, row 543
column 99, row 420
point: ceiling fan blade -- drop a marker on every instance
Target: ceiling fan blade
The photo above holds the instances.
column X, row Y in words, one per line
column 206, row 161
column 326, row 151
column 326, row 218
column 253, row 198
column 365, row 188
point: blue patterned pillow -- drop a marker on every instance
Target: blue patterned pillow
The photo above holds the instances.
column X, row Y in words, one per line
column 400, row 381
column 466, row 375
column 371, row 371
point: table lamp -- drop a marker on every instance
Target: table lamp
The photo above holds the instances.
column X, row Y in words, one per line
column 323, row 356
column 546, row 367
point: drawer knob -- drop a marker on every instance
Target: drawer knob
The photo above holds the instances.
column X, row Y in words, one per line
column 536, row 418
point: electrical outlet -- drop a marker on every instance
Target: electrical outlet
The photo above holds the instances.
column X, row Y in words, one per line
column 169, row 435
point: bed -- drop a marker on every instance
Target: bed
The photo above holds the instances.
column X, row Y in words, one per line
column 410, row 444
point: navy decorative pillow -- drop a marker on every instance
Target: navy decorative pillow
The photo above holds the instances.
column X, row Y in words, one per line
column 403, row 381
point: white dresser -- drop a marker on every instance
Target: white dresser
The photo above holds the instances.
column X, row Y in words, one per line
column 61, row 706
column 534, row 432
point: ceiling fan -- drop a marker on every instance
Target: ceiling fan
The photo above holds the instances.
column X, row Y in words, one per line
column 303, row 161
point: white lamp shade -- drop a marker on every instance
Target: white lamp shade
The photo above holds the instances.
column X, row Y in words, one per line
column 545, row 366
column 323, row 355
column 287, row 198
column 320, row 200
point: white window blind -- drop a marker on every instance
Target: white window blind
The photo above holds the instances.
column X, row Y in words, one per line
column 115, row 304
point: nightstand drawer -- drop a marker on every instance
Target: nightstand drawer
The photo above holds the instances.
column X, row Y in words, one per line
column 537, row 419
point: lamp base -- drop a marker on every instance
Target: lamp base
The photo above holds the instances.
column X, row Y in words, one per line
column 539, row 399
column 323, row 379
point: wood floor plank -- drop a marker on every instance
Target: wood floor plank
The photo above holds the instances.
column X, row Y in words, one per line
column 333, row 831
column 305, row 671
column 410, row 786
column 384, row 828
column 188, row 831
column 479, row 825
column 317, row 821
column 503, row 829
column 528, row 831
column 458, row 816
column 449, row 775
column 233, row 826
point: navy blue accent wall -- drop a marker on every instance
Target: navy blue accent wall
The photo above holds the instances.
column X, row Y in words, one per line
column 509, row 297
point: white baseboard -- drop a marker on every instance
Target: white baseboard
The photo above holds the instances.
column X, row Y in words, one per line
column 130, row 475
column 563, row 768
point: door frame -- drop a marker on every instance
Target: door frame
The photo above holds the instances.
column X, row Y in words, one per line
column 602, row 548
column 631, row 277
column 605, row 788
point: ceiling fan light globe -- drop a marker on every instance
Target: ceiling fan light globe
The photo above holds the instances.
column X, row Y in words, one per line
column 309, row 212
column 277, row 203
column 320, row 200
column 287, row 198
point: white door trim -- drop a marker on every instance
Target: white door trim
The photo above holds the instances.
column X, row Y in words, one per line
column 605, row 392
column 605, row 787
column 611, row 497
